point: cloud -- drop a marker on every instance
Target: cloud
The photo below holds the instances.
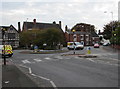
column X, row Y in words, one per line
column 70, row 13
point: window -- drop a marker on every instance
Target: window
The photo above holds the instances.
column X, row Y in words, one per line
column 11, row 35
column 82, row 37
column 87, row 37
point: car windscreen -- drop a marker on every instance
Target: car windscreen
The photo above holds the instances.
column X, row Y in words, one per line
column 78, row 43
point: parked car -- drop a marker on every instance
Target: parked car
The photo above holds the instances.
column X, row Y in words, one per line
column 106, row 44
column 96, row 45
column 6, row 50
column 77, row 45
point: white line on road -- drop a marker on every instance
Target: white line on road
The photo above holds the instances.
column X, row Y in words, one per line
column 30, row 71
column 37, row 60
column 53, row 84
column 90, row 59
column 47, row 58
column 26, row 61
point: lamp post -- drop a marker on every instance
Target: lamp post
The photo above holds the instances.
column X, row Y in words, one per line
column 74, row 40
column 3, row 37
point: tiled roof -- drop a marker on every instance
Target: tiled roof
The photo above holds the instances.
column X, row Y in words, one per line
column 30, row 25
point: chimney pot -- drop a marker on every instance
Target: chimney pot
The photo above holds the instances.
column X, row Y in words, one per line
column 34, row 21
column 60, row 24
column 19, row 28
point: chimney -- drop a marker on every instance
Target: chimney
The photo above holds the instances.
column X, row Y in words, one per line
column 99, row 32
column 54, row 22
column 60, row 24
column 66, row 28
column 34, row 21
column 19, row 29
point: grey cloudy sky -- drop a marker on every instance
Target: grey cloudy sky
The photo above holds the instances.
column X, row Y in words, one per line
column 70, row 12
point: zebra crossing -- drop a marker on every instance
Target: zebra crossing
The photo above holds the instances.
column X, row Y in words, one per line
column 57, row 58
column 36, row 60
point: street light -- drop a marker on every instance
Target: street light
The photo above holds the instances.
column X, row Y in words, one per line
column 74, row 39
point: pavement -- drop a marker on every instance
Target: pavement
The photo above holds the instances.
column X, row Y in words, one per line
column 14, row 77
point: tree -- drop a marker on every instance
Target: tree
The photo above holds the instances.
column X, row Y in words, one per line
column 108, row 28
column 116, row 36
column 50, row 36
column 29, row 37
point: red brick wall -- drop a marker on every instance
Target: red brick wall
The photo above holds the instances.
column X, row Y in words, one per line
column 69, row 38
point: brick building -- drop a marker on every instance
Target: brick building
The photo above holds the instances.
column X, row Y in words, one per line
column 84, row 33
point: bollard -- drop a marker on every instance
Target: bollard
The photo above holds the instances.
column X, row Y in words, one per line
column 88, row 50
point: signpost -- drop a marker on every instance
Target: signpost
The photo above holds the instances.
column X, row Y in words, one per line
column 3, row 37
column 35, row 48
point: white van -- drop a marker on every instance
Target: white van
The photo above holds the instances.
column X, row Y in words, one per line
column 77, row 45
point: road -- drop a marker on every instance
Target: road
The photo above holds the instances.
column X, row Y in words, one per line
column 72, row 71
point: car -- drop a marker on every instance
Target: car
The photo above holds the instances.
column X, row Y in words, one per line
column 6, row 50
column 106, row 44
column 96, row 45
column 75, row 45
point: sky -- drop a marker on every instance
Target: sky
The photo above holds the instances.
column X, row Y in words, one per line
column 69, row 12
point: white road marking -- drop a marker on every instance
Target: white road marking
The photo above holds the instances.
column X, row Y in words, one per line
column 7, row 82
column 90, row 59
column 53, row 84
column 26, row 61
column 37, row 60
column 47, row 58
column 30, row 71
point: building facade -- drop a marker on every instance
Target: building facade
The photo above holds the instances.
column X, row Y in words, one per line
column 84, row 33
column 11, row 36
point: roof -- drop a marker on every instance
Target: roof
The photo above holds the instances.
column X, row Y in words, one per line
column 30, row 25
column 94, row 34
column 7, row 27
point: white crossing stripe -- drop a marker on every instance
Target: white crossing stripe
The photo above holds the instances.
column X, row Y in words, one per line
column 26, row 61
column 37, row 60
column 47, row 58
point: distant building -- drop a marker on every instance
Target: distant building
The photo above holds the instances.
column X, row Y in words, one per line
column 11, row 36
column 84, row 33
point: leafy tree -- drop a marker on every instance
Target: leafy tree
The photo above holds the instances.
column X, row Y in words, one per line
column 51, row 37
column 108, row 28
column 116, row 36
